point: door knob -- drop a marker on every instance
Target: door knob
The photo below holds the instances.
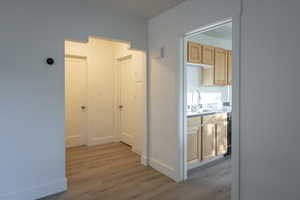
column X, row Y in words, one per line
column 120, row 106
column 83, row 107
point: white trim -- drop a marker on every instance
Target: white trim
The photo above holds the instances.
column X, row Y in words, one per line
column 37, row 192
column 236, row 24
column 73, row 141
column 117, row 127
column 236, row 31
column 164, row 168
column 208, row 27
column 101, row 140
column 144, row 160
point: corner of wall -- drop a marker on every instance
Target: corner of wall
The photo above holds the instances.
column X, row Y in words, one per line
column 164, row 169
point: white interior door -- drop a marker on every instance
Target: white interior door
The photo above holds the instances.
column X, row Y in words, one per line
column 127, row 101
column 75, row 101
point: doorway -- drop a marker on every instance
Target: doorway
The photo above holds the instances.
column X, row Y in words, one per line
column 127, row 100
column 105, row 95
column 208, row 102
column 76, row 101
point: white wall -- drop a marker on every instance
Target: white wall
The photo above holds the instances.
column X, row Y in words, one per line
column 166, row 102
column 32, row 95
column 270, row 160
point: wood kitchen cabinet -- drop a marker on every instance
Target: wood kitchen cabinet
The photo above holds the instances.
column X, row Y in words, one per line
column 208, row 76
column 221, row 138
column 206, row 138
column 192, row 146
column 216, row 63
column 214, row 135
column 194, row 151
column 220, row 67
column 208, row 55
column 194, row 54
column 208, row 141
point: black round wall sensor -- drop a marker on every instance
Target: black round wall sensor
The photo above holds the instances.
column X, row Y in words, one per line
column 50, row 61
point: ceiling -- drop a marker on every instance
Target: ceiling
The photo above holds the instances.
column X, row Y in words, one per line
column 223, row 32
column 141, row 8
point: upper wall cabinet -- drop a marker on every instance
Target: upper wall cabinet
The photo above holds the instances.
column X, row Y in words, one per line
column 216, row 63
column 220, row 67
column 194, row 53
column 208, row 55
column 229, row 64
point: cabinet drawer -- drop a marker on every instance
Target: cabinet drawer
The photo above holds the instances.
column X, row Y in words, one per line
column 214, row 118
column 221, row 117
column 194, row 122
column 208, row 119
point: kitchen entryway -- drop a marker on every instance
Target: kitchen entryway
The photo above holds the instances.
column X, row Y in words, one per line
column 208, row 98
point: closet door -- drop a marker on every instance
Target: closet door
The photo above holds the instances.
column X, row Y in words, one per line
column 220, row 67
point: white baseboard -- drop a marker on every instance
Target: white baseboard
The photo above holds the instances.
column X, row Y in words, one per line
column 144, row 160
column 73, row 141
column 37, row 192
column 101, row 140
column 164, row 169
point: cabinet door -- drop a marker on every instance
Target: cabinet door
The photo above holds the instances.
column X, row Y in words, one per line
column 208, row 76
column 208, row 141
column 229, row 64
column 220, row 67
column 194, row 139
column 194, row 53
column 208, row 55
column 222, row 142
column 192, row 146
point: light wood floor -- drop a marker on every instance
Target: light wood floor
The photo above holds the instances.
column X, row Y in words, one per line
column 113, row 172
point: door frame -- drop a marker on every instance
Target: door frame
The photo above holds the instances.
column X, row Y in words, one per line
column 118, row 101
column 236, row 47
column 67, row 56
column 117, row 132
column 145, row 141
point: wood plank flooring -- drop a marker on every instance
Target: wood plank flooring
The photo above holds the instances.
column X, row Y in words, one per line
column 113, row 172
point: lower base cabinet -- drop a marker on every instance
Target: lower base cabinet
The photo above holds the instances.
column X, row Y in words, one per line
column 193, row 146
column 194, row 150
column 221, row 138
column 209, row 141
column 206, row 137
